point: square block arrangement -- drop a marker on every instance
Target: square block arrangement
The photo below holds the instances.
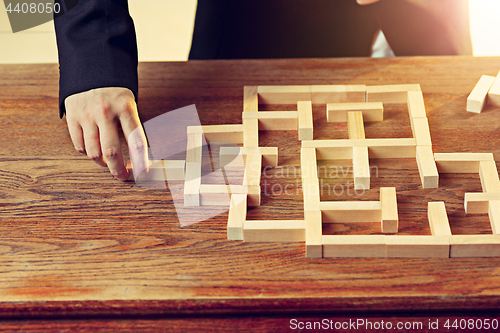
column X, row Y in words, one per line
column 353, row 104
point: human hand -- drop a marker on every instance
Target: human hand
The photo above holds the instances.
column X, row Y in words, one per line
column 94, row 118
column 366, row 2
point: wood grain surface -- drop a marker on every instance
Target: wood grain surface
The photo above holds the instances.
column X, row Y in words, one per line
column 74, row 242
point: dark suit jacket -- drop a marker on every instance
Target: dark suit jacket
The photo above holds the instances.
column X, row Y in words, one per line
column 97, row 44
column 97, row 47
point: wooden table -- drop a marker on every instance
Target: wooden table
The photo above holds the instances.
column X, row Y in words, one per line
column 75, row 244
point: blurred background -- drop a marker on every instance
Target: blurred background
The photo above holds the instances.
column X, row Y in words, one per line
column 164, row 29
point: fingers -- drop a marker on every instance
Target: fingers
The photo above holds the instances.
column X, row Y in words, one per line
column 85, row 136
column 136, row 140
column 112, row 151
column 92, row 144
column 76, row 134
column 93, row 117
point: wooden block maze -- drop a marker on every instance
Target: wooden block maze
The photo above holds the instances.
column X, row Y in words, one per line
column 353, row 104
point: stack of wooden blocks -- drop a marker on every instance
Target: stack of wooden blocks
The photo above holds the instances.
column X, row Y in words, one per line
column 353, row 104
column 486, row 91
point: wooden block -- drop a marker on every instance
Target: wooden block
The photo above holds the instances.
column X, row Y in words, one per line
column 252, row 191
column 494, row 92
column 389, row 215
column 219, row 133
column 283, row 94
column 477, row 98
column 494, row 215
column 438, row 219
column 460, row 162
column 231, row 157
column 250, row 132
column 377, row 148
column 427, row 167
column 250, row 99
column 395, row 93
column 253, row 170
column 354, row 246
column 313, row 224
column 308, row 163
column 254, row 194
column 355, row 125
column 417, row 246
column 155, row 173
column 337, row 112
column 391, row 148
column 416, row 105
column 360, row 168
column 469, row 246
column 193, row 168
column 333, row 153
column 223, row 198
column 421, row 132
column 194, row 149
column 274, row 120
column 488, row 174
column 237, row 216
column 478, row 203
column 173, row 169
column 388, row 144
column 192, row 184
column 323, row 94
column 269, row 155
column 350, row 211
column 274, row 231
column 219, row 194
column 310, row 191
column 305, row 118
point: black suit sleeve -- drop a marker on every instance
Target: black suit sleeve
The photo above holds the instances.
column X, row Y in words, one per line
column 97, row 48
